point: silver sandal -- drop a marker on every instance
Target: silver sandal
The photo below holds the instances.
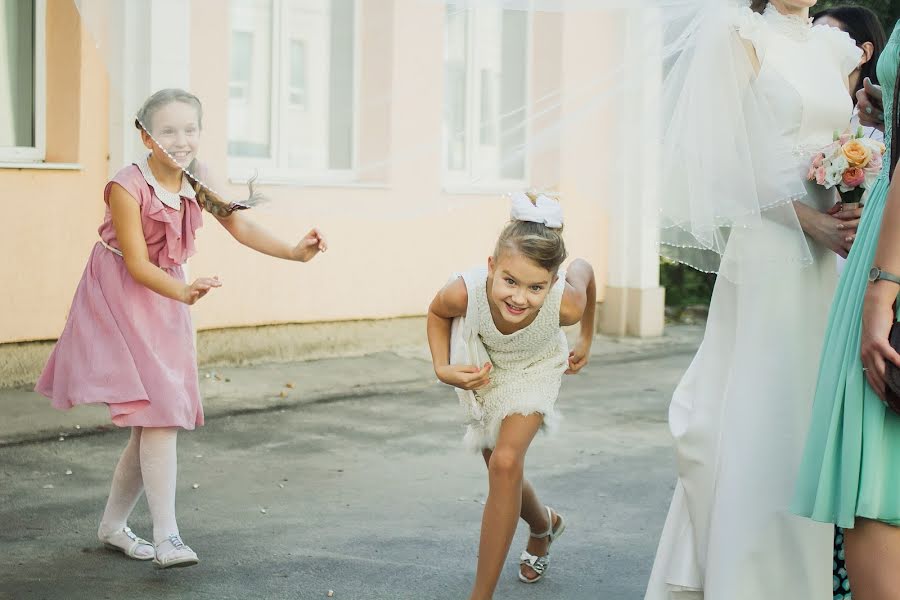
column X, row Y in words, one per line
column 539, row 564
column 180, row 554
column 131, row 547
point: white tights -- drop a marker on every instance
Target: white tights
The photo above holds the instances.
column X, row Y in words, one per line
column 148, row 463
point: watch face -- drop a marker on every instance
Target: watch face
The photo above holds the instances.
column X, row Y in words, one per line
column 874, row 272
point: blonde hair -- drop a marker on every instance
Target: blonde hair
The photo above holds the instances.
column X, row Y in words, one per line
column 206, row 198
column 535, row 241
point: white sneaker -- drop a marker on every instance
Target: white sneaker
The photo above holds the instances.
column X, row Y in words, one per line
column 173, row 552
column 126, row 542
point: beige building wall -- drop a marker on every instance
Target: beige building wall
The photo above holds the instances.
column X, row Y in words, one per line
column 380, row 265
column 52, row 213
column 390, row 266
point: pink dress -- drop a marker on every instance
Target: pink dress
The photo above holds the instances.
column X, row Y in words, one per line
column 124, row 344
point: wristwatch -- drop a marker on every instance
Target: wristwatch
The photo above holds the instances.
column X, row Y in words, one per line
column 875, row 274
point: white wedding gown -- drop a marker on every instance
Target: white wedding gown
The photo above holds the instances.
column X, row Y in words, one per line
column 739, row 416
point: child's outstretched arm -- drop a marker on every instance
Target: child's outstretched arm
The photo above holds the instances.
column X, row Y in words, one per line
column 248, row 233
column 451, row 302
column 126, row 218
column 578, row 304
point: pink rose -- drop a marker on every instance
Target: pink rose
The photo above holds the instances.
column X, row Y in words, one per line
column 854, row 177
column 871, row 174
column 820, row 175
column 845, row 137
column 875, row 161
column 818, row 160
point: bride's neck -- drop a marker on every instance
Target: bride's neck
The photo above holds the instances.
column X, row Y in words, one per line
column 785, row 9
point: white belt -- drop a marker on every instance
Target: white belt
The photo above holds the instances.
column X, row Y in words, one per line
column 111, row 249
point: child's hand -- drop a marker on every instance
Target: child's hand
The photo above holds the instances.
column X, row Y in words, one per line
column 579, row 355
column 199, row 288
column 468, row 377
column 309, row 246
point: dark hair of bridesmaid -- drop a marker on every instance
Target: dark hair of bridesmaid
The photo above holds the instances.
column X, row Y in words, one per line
column 758, row 5
column 864, row 27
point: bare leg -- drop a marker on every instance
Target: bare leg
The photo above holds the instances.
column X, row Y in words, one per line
column 504, row 502
column 873, row 560
column 534, row 513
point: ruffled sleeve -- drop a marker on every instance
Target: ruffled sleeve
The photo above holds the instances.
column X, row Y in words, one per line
column 751, row 26
column 130, row 179
column 840, row 45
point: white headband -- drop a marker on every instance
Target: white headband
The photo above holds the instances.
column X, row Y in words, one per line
column 545, row 210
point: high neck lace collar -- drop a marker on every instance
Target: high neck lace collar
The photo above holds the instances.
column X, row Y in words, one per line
column 792, row 26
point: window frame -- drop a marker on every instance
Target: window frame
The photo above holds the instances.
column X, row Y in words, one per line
column 38, row 152
column 268, row 170
column 466, row 180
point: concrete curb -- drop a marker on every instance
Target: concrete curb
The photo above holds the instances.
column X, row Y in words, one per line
column 235, row 391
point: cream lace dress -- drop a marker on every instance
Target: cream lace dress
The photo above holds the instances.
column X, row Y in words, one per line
column 528, row 364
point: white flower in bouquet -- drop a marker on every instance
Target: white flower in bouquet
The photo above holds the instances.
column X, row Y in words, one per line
column 834, row 171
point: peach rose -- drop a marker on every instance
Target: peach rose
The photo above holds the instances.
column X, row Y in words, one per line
column 857, row 154
column 854, row 177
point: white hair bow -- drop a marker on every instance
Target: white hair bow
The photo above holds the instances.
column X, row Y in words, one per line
column 544, row 210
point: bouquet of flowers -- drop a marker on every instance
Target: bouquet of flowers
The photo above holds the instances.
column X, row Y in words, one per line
column 851, row 163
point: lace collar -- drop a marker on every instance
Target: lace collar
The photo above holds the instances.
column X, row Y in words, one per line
column 792, row 26
column 170, row 199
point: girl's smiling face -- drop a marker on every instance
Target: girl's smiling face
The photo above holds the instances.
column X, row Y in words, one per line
column 518, row 286
column 176, row 127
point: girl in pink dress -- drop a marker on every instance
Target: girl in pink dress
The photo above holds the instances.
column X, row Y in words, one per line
column 128, row 341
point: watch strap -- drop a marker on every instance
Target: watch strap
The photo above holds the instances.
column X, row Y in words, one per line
column 882, row 274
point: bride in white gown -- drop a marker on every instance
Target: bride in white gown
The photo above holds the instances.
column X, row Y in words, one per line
column 740, row 414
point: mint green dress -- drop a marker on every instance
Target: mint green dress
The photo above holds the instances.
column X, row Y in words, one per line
column 851, row 463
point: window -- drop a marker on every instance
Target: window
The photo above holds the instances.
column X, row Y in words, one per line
column 241, row 65
column 292, row 87
column 298, row 74
column 22, row 73
column 486, row 95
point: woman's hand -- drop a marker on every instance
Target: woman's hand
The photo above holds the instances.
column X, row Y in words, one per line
column 580, row 354
column 877, row 318
column 836, row 229
column 468, row 377
column 313, row 243
column 199, row 288
column 870, row 104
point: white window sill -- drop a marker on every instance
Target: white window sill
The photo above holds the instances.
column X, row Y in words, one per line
column 308, row 182
column 42, row 166
column 482, row 189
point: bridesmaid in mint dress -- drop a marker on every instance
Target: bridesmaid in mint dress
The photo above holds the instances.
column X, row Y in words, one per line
column 850, row 474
